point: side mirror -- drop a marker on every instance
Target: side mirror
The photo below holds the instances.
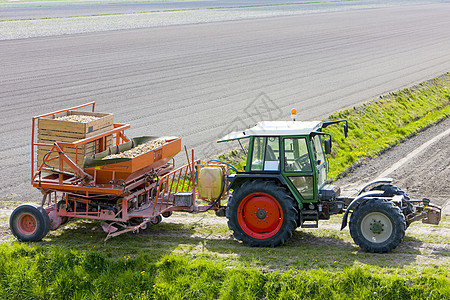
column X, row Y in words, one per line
column 345, row 130
column 327, row 146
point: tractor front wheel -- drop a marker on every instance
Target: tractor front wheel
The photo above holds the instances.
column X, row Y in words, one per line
column 262, row 214
column 29, row 222
column 377, row 226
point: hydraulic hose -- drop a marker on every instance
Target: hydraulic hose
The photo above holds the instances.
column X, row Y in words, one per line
column 225, row 163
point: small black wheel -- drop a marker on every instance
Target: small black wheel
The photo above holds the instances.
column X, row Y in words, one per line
column 156, row 220
column 145, row 226
column 29, row 222
column 377, row 226
column 262, row 214
column 166, row 214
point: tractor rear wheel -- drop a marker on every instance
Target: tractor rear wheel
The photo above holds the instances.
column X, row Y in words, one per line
column 377, row 226
column 29, row 222
column 262, row 214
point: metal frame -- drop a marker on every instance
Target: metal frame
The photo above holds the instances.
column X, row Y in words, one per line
column 145, row 197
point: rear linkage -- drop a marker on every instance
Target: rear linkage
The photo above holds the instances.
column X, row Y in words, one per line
column 413, row 210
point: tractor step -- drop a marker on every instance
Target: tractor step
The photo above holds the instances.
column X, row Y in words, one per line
column 315, row 225
column 310, row 216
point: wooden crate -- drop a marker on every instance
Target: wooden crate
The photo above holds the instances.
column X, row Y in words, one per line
column 51, row 130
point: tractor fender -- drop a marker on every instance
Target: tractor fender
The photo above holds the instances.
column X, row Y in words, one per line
column 238, row 179
column 357, row 201
column 375, row 182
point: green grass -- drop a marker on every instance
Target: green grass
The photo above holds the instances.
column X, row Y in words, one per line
column 189, row 237
column 36, row 272
column 187, row 259
column 381, row 124
column 193, row 239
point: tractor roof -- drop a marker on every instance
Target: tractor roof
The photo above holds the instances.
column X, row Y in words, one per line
column 274, row 128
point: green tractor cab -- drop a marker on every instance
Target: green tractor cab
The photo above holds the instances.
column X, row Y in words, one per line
column 289, row 152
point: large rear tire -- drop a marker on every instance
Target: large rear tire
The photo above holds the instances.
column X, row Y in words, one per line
column 29, row 222
column 377, row 226
column 262, row 214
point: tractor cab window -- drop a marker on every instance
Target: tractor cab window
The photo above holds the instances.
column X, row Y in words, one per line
column 296, row 155
column 297, row 163
column 319, row 157
column 266, row 154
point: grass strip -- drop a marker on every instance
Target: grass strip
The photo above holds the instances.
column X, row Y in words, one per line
column 35, row 272
column 378, row 125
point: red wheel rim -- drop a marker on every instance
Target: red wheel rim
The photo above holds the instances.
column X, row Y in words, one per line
column 260, row 215
column 26, row 224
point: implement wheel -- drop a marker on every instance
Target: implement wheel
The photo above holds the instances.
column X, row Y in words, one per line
column 262, row 214
column 377, row 226
column 29, row 222
column 156, row 220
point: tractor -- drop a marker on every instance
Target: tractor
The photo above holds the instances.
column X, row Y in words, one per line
column 284, row 186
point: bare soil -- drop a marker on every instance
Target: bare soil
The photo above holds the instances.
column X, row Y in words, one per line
column 424, row 176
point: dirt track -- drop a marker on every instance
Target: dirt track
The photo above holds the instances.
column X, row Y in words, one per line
column 423, row 176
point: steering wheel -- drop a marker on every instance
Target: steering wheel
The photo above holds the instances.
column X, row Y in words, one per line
column 303, row 161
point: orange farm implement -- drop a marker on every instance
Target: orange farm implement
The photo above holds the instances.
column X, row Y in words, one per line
column 129, row 194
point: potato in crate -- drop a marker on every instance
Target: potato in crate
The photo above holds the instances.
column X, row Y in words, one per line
column 71, row 126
